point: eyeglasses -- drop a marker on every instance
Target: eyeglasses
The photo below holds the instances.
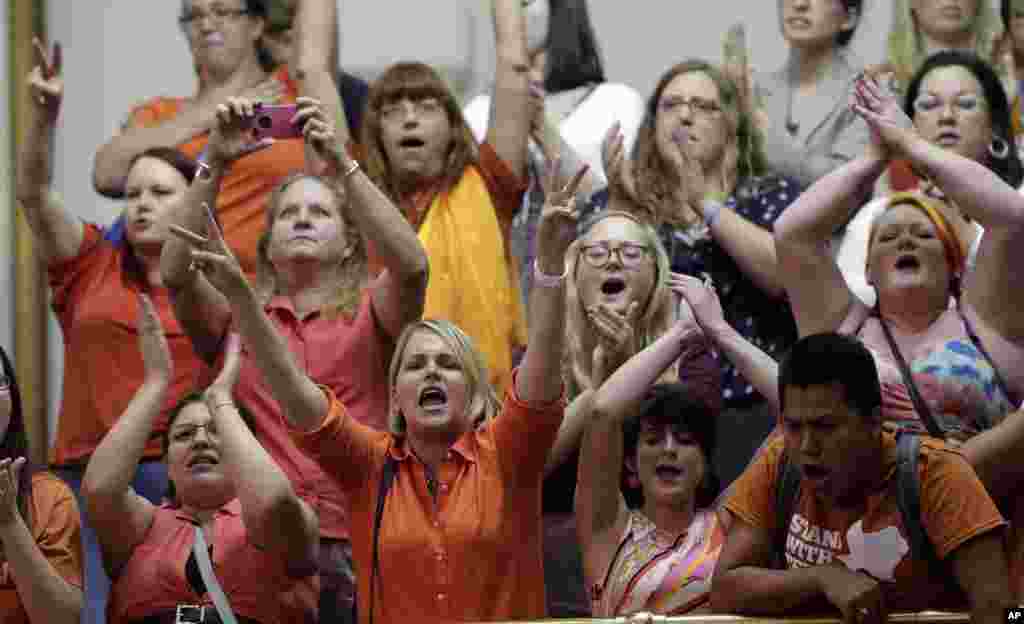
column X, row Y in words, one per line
column 188, row 432
column 963, row 103
column 217, row 14
column 423, row 107
column 697, row 105
column 599, row 254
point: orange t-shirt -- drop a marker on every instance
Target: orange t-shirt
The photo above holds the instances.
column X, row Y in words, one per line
column 249, row 181
column 96, row 306
column 954, row 508
column 474, row 552
column 56, row 527
column 258, row 585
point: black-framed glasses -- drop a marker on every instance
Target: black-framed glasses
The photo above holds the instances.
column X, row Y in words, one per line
column 217, row 14
column 631, row 255
column 697, row 105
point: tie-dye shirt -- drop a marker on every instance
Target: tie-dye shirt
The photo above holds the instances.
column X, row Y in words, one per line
column 657, row 573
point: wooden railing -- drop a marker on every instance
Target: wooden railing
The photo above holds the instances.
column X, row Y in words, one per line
column 924, row 617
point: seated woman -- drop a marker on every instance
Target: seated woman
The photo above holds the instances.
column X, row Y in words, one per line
column 573, row 107
column 227, row 492
column 444, row 508
column 956, row 103
column 314, row 290
column 952, row 371
column 698, row 172
column 91, row 279
column 459, row 197
column 921, row 28
column 651, row 547
column 807, row 125
column 40, row 546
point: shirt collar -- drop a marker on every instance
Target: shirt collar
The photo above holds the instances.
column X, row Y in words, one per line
column 233, row 509
column 465, row 447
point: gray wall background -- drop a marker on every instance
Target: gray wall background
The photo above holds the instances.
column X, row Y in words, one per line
column 120, row 52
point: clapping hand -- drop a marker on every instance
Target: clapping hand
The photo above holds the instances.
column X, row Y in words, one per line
column 156, row 355
column 702, row 299
column 618, row 169
column 45, row 83
column 892, row 131
column 616, row 338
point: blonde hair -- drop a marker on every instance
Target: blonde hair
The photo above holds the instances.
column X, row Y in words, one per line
column 352, row 268
column 906, row 42
column 484, row 401
column 657, row 313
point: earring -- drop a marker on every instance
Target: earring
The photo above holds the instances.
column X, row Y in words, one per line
column 999, row 147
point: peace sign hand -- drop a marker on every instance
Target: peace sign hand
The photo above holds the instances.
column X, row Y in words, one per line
column 212, row 257
column 45, row 83
column 557, row 228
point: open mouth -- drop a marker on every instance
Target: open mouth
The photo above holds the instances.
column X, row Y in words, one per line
column 798, row 22
column 907, row 263
column 433, row 398
column 411, row 143
column 202, row 460
column 668, row 473
column 814, row 472
column 613, row 286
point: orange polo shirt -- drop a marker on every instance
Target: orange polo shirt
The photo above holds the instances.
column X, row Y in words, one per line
column 56, row 527
column 257, row 584
column 474, row 552
column 249, row 181
column 97, row 308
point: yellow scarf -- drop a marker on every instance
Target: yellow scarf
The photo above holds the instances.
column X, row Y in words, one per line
column 473, row 280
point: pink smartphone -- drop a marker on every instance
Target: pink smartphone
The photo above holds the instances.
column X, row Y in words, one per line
column 275, row 122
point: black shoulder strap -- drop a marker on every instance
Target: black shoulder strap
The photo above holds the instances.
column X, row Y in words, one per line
column 922, row 409
column 786, row 488
column 908, row 496
column 980, row 346
column 387, row 477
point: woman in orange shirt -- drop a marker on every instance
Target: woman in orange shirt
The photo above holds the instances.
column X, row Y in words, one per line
column 227, row 492
column 40, row 547
column 453, row 530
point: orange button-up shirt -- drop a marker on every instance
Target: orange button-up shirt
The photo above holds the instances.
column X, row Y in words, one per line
column 471, row 553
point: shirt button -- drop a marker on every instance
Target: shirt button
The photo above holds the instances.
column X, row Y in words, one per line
column 440, row 556
column 437, row 524
column 441, row 597
column 449, row 455
column 444, row 487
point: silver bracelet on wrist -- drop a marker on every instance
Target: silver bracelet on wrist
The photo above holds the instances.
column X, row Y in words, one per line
column 352, row 169
column 544, row 280
column 712, row 212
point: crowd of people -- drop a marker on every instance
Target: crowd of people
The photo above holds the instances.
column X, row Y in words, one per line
column 356, row 353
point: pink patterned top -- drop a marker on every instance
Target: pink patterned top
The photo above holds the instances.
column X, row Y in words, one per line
column 659, row 573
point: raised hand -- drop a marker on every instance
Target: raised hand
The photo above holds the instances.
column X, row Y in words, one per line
column 693, row 185
column 10, row 471
column 700, row 295
column 212, row 257
column 616, row 337
column 617, row 168
column 231, row 137
column 45, row 82
column 156, row 355
column 558, row 219
column 230, row 370
column 320, row 134
column 892, row 130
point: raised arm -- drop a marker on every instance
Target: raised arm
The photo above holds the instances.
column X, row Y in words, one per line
column 119, row 516
column 44, row 594
column 509, row 126
column 58, row 235
column 316, row 34
column 302, row 401
column 275, row 518
column 540, row 376
column 756, row 366
column 399, row 293
column 201, row 310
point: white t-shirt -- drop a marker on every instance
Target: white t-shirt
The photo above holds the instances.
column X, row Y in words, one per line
column 585, row 127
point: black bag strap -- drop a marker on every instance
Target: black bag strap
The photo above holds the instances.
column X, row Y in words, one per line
column 923, row 411
column 980, row 346
column 387, row 477
column 908, row 496
column 786, row 488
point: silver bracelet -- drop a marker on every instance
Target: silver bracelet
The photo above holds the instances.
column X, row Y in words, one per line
column 544, row 280
column 354, row 167
column 712, row 211
column 202, row 171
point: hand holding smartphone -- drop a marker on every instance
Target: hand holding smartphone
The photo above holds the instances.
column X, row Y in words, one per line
column 274, row 121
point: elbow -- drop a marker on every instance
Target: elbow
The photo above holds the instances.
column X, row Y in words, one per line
column 97, row 491
column 725, row 596
column 417, row 273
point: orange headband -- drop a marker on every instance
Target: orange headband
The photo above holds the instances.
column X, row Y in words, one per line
column 950, row 241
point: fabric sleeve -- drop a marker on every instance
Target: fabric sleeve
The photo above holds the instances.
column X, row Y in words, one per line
column 954, row 504
column 524, row 433
column 57, row 527
column 753, row 495
column 63, row 276
column 504, row 185
column 349, row 452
